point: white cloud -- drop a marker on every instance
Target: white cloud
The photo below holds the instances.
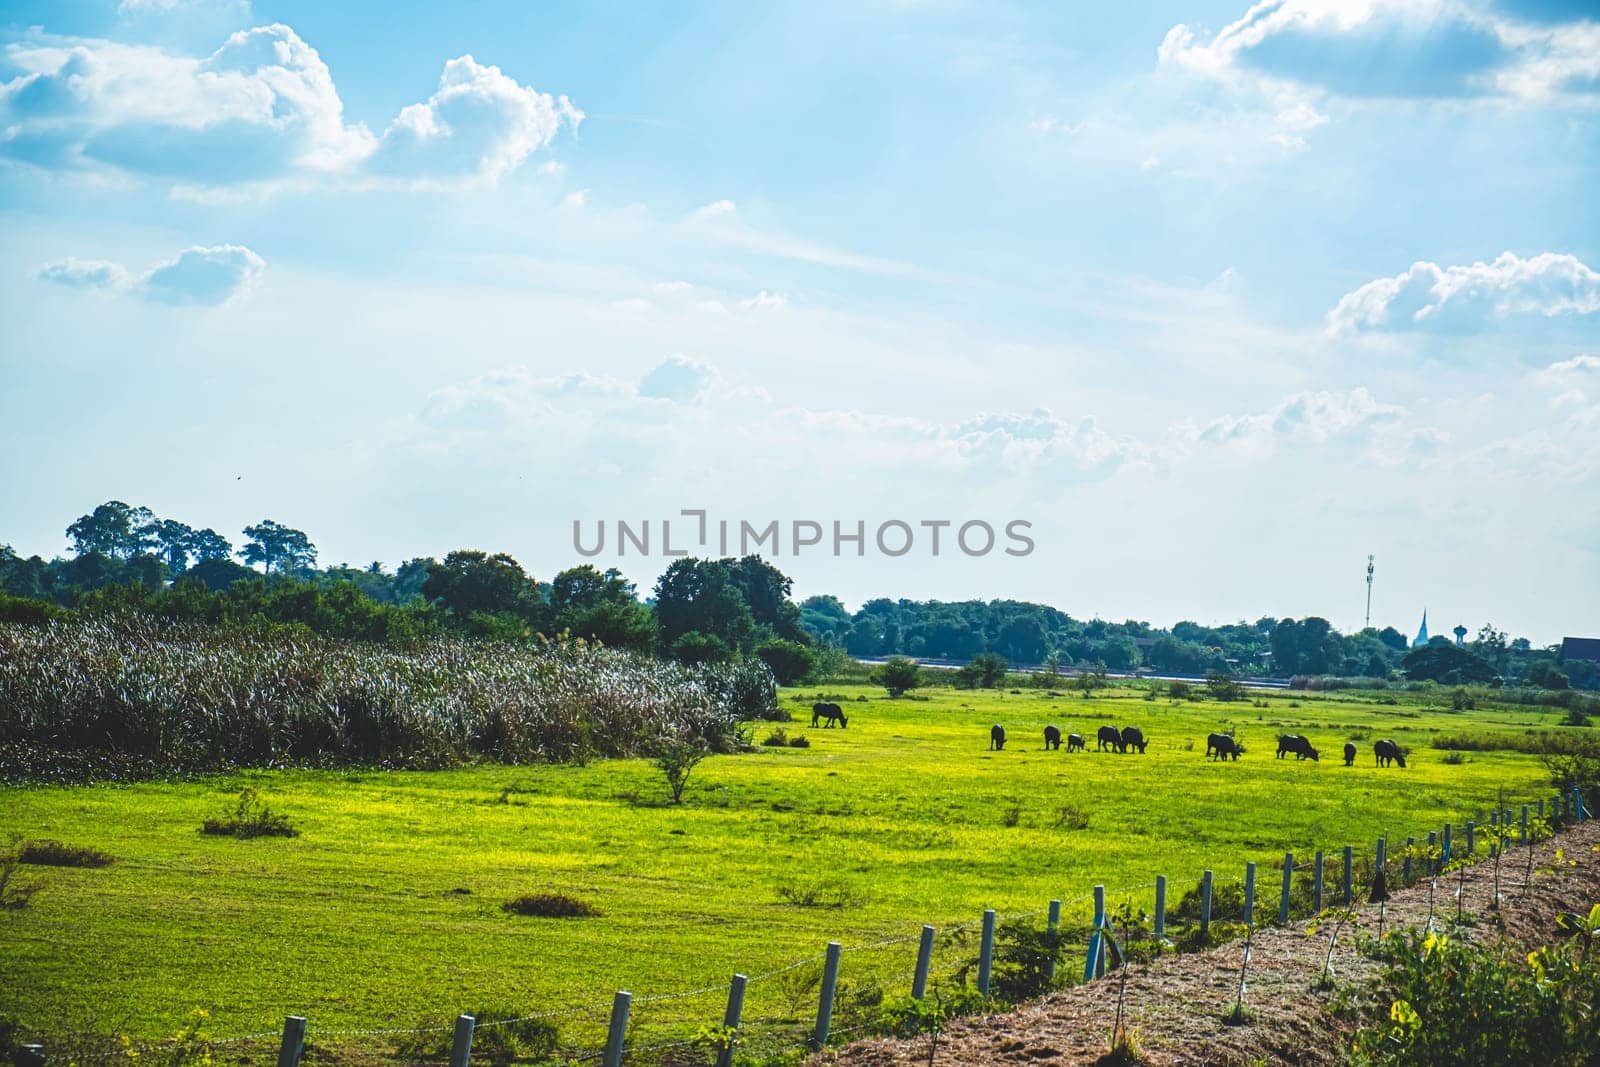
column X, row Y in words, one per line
column 1428, row 296
column 679, row 379
column 1574, row 381
column 1317, row 417
column 195, row 276
column 262, row 108
column 1432, row 49
column 479, row 123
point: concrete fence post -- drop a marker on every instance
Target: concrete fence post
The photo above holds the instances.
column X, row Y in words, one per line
column 1161, row 907
column 1205, row 903
column 730, row 1019
column 986, row 952
column 1249, row 894
column 919, row 984
column 1522, row 838
column 294, row 1041
column 1053, row 925
column 1444, row 846
column 1316, row 883
column 461, row 1043
column 830, row 982
column 1472, row 837
column 1349, row 875
column 1405, row 864
column 1288, row 879
column 1094, row 962
column 617, row 1033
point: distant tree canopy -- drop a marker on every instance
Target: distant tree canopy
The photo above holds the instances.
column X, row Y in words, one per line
column 276, row 546
column 127, row 558
column 1448, row 664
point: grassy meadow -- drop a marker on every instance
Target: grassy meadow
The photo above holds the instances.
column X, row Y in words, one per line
column 386, row 910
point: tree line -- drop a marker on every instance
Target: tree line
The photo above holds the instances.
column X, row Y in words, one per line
column 700, row 610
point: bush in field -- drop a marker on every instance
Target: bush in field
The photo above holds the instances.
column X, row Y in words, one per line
column 550, row 906
column 125, row 696
column 61, row 854
column 900, row 675
column 249, row 817
column 1447, row 1002
column 790, row 661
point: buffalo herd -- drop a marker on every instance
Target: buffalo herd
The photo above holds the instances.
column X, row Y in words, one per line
column 1219, row 746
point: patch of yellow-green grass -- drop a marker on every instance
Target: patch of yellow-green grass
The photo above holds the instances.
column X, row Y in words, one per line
column 388, row 908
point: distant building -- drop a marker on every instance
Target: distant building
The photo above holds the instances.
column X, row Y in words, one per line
column 1461, row 635
column 1422, row 633
column 1583, row 649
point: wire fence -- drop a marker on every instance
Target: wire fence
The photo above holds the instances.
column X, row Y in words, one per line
column 879, row 986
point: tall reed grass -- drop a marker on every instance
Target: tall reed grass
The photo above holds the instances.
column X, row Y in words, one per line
column 131, row 696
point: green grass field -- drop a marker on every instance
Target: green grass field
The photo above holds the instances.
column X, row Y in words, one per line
column 386, row 910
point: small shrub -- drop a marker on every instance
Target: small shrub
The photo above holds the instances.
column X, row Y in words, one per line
column 1011, row 817
column 1575, row 717
column 550, row 906
column 778, row 738
column 60, row 854
column 1454, row 759
column 1072, row 817
column 799, row 741
column 826, row 893
column 675, row 760
column 250, row 817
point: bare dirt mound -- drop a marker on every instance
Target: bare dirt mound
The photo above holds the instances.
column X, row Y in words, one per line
column 1175, row 1006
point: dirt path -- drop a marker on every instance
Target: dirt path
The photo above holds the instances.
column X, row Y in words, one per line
column 1176, row 1004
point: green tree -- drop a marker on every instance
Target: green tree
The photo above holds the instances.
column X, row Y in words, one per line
column 113, row 529
column 206, row 545
column 174, row 543
column 900, row 675
column 984, row 672
column 279, row 547
column 1446, row 663
column 699, row 595
column 790, row 662
column 470, row 582
column 601, row 606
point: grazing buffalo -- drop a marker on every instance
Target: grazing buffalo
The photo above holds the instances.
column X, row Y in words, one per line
column 831, row 712
column 1074, row 742
column 1300, row 746
column 1224, row 746
column 1349, row 753
column 1109, row 736
column 1386, row 751
column 997, row 737
column 1133, row 737
column 1052, row 737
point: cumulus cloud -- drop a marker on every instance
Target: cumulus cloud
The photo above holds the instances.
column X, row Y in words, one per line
column 1316, row 417
column 1394, row 48
column 1428, row 296
column 1573, row 381
column 196, row 276
column 262, row 107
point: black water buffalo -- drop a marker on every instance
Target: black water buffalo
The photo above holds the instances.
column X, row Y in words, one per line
column 1386, row 751
column 1108, row 736
column 1074, row 742
column 1133, row 737
column 1052, row 737
column 1300, row 746
column 831, row 712
column 1349, row 753
column 997, row 737
column 1223, row 746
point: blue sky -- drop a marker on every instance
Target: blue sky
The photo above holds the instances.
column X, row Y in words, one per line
column 1220, row 298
